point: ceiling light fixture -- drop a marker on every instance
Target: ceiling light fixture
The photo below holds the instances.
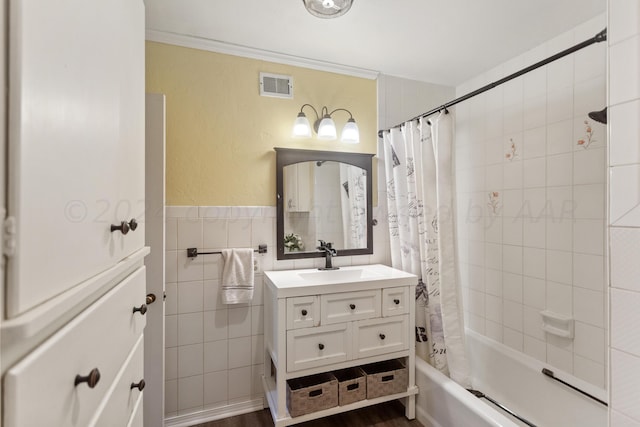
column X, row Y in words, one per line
column 325, row 127
column 327, row 8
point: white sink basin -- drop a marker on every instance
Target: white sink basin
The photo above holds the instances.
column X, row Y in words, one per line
column 338, row 276
column 287, row 283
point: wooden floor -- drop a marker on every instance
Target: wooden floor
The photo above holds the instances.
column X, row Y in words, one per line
column 390, row 414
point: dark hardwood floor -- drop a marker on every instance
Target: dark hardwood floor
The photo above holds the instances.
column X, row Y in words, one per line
column 390, row 414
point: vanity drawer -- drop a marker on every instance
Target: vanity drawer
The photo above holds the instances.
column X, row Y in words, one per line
column 309, row 348
column 121, row 402
column 303, row 312
column 39, row 390
column 395, row 301
column 380, row 336
column 347, row 306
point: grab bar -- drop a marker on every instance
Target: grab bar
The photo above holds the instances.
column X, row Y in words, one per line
column 481, row 395
column 550, row 374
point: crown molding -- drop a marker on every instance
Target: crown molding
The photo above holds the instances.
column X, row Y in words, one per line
column 249, row 52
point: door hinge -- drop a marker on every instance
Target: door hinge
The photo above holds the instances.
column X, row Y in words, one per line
column 9, row 231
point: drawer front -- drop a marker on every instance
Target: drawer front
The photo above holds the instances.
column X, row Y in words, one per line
column 120, row 403
column 309, row 348
column 380, row 336
column 395, row 301
column 303, row 312
column 40, row 390
column 347, row 306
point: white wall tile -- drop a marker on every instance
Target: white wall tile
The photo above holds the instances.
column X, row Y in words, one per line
column 588, row 236
column 625, row 268
column 493, row 308
column 559, row 266
column 257, row 349
column 512, row 259
column 189, row 269
column 171, row 363
column 624, row 20
column 512, row 287
column 239, row 352
column 170, row 396
column 190, row 360
column 239, row 321
column 534, row 174
column 493, row 282
column 171, row 331
column 257, row 320
column 493, row 330
column 589, row 201
column 589, row 342
column 534, row 232
column 216, row 356
column 620, row 420
column 535, row 348
column 239, row 382
column 190, row 328
column 534, row 293
column 624, row 68
column 256, row 380
column 560, row 138
column 559, row 170
column 213, row 266
column 239, row 233
column 171, row 233
column 589, row 166
column 559, row 298
column 216, row 325
column 215, row 388
column 560, row 234
column 211, row 295
column 589, row 371
column 588, row 271
column 215, row 233
column 590, row 95
column 190, row 392
column 560, row 104
column 625, row 318
column 625, row 383
column 513, row 339
column 171, row 266
column 532, row 323
column 534, row 262
column 560, row 358
column 560, row 202
column 625, row 133
column 512, row 229
column 171, row 302
column 625, row 196
column 189, row 233
column 588, row 306
column 189, row 297
column 512, row 316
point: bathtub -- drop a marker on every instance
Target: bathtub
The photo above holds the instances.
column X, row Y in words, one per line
column 511, row 378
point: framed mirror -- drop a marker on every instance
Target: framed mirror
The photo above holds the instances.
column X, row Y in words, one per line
column 323, row 195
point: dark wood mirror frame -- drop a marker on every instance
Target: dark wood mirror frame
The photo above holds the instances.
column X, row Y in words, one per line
column 289, row 156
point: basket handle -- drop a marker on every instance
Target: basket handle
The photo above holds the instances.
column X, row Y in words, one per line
column 387, row 378
column 315, row 393
column 353, row 386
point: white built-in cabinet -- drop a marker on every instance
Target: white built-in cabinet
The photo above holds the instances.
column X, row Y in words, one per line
column 312, row 327
column 74, row 236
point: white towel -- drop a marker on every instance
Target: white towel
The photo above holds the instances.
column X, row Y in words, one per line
column 237, row 276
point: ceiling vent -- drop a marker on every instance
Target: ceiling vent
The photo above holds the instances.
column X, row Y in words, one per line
column 276, row 85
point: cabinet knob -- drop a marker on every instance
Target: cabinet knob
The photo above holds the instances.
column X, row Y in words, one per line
column 91, row 379
column 304, row 312
column 140, row 385
column 352, row 306
column 396, row 301
column 151, row 298
column 123, row 227
column 133, row 224
column 142, row 309
column 321, row 346
column 382, row 336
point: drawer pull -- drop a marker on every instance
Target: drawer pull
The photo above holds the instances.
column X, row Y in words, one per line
column 382, row 336
column 304, row 312
column 352, row 306
column 123, row 227
column 321, row 346
column 139, row 386
column 91, row 379
column 142, row 309
column 396, row 301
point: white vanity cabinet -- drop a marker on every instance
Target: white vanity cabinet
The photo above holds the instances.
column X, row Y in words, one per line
column 73, row 301
column 322, row 321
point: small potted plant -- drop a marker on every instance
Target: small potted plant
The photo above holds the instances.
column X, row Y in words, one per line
column 293, row 242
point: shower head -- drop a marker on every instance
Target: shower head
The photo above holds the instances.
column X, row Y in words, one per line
column 599, row 116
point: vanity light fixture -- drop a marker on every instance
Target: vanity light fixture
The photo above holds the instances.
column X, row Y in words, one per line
column 327, row 8
column 325, row 127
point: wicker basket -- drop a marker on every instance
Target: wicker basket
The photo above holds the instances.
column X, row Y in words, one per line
column 384, row 378
column 352, row 385
column 311, row 394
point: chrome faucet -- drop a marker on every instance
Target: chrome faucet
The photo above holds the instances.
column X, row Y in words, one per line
column 328, row 253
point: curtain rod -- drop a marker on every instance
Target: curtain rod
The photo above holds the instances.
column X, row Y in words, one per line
column 600, row 37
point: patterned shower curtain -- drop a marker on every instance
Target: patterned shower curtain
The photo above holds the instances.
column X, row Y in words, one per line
column 353, row 200
column 420, row 188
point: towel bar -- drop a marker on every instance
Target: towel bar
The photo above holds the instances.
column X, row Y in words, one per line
column 193, row 252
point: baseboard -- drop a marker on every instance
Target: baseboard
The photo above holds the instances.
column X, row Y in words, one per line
column 213, row 414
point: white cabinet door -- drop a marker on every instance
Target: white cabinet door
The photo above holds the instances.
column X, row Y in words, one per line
column 76, row 94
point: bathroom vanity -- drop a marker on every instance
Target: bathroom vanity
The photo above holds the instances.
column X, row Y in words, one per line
column 321, row 321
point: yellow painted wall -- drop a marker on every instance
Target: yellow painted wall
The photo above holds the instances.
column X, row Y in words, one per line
column 221, row 132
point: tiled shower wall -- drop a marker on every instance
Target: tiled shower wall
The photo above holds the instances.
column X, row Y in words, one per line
column 214, row 352
column 531, row 204
column 624, row 214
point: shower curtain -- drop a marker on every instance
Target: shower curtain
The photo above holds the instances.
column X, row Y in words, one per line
column 353, row 200
column 420, row 195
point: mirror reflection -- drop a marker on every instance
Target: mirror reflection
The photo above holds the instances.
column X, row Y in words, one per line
column 324, row 200
column 323, row 196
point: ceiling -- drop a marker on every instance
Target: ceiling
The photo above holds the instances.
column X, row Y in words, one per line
column 444, row 42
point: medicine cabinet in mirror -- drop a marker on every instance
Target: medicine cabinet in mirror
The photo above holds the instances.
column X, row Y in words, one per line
column 323, row 195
